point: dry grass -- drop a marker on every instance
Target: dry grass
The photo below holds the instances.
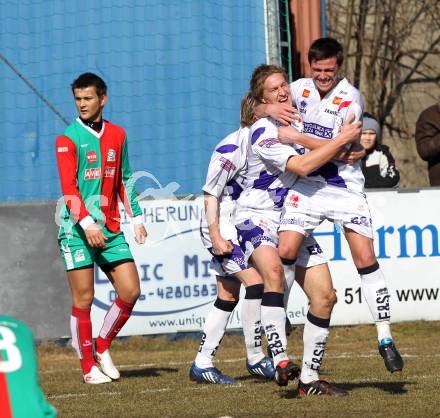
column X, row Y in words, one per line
column 155, row 379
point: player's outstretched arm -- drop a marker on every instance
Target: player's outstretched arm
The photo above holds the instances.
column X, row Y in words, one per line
column 290, row 135
column 220, row 246
column 304, row 164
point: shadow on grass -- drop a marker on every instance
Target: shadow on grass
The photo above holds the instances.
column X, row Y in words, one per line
column 253, row 379
column 394, row 388
column 148, row 372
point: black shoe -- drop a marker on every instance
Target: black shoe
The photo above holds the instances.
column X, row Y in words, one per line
column 285, row 371
column 391, row 357
column 320, row 387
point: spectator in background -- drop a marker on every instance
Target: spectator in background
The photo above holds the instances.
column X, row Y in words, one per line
column 378, row 165
column 428, row 141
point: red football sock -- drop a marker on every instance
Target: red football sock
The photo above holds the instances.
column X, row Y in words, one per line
column 82, row 342
column 114, row 320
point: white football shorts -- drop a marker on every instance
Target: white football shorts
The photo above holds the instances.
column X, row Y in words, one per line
column 310, row 203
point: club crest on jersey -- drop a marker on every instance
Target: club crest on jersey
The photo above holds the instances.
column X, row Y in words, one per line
column 306, row 93
column 92, row 173
column 302, row 106
column 62, row 149
column 91, row 157
column 337, row 100
column 111, row 155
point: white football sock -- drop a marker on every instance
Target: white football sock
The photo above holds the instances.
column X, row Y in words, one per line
column 316, row 331
column 375, row 291
column 273, row 318
column 213, row 332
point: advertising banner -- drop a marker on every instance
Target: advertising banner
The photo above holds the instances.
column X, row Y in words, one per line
column 177, row 288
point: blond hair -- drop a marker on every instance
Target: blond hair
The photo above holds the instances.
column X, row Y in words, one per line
column 247, row 110
column 260, row 75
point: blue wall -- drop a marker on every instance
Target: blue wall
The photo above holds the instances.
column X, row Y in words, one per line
column 176, row 71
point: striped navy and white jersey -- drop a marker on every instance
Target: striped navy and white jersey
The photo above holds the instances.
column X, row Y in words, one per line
column 267, row 182
column 225, row 180
column 323, row 118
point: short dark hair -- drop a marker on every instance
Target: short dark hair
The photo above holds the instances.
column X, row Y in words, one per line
column 90, row 80
column 260, row 75
column 324, row 48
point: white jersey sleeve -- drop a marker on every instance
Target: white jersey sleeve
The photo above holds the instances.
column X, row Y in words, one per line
column 265, row 144
column 228, row 158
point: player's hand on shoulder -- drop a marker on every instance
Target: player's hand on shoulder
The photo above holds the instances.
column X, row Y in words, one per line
column 140, row 233
column 282, row 112
column 287, row 134
column 220, row 246
column 350, row 130
column 95, row 237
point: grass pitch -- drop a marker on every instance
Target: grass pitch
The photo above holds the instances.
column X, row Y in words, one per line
column 155, row 383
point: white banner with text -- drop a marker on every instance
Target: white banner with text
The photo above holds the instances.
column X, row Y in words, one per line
column 177, row 289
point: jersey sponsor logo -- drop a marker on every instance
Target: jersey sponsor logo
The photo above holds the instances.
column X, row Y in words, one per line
column 84, row 145
column 314, row 249
column 331, row 112
column 361, row 220
column 62, row 149
column 109, row 172
column 318, row 130
column 268, row 142
column 92, row 173
column 344, row 104
column 292, row 201
column 337, row 100
column 306, row 93
column 111, row 155
column 226, row 164
column 91, row 157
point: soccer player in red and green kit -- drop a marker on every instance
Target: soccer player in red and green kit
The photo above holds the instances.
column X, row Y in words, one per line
column 94, row 172
column 20, row 394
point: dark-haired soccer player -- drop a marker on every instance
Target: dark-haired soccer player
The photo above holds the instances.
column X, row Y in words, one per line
column 336, row 190
column 94, row 171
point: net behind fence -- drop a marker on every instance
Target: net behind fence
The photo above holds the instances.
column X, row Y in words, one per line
column 176, row 71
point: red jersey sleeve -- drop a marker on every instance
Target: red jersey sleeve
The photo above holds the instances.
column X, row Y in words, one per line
column 67, row 169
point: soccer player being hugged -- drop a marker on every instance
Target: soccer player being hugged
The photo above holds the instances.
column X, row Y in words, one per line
column 272, row 169
column 94, row 172
column 335, row 191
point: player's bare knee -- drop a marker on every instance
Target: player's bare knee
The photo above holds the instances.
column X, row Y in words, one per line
column 286, row 251
column 275, row 277
column 83, row 299
column 365, row 260
column 330, row 299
